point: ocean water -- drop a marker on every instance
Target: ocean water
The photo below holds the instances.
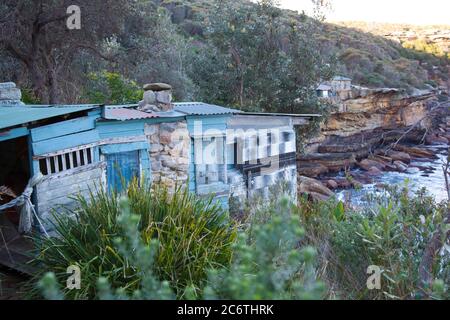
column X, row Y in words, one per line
column 433, row 180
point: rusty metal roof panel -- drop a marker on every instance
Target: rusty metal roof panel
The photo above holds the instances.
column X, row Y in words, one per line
column 123, row 114
column 202, row 109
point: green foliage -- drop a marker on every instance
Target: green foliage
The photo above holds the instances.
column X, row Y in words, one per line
column 139, row 254
column 273, row 257
column 28, row 97
column 245, row 44
column 372, row 60
column 193, row 235
column 269, row 262
column 112, row 88
column 391, row 232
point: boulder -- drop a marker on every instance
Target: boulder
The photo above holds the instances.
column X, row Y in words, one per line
column 401, row 167
column 367, row 164
column 332, row 184
column 311, row 170
column 399, row 156
column 416, row 152
column 383, row 159
column 338, row 183
column 333, row 161
column 374, row 171
column 390, row 167
column 313, row 188
column 423, row 168
column 435, row 139
column 10, row 94
column 7, row 85
column 412, row 170
column 361, row 178
column 157, row 87
column 149, row 108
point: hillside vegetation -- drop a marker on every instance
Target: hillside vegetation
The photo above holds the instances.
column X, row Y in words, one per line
column 368, row 53
column 236, row 53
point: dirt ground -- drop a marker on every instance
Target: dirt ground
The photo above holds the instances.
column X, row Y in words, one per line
column 11, row 285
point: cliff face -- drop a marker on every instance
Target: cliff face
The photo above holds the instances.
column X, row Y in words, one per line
column 367, row 132
column 366, row 121
column 372, row 113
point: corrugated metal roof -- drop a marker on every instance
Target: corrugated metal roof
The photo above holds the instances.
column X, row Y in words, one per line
column 324, row 87
column 122, row 114
column 11, row 116
column 341, row 78
column 292, row 115
column 202, row 109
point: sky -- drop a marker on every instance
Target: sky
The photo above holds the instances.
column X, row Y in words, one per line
column 393, row 11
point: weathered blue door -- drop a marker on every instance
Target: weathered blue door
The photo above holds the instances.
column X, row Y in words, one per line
column 122, row 168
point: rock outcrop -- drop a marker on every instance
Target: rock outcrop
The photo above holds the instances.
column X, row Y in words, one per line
column 369, row 119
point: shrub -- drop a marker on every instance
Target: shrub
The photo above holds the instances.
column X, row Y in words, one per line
column 269, row 261
column 268, row 264
column 193, row 236
column 138, row 253
column 110, row 87
column 391, row 232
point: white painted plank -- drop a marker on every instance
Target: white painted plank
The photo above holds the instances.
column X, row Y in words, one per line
column 85, row 157
column 78, row 156
column 48, row 164
column 56, row 163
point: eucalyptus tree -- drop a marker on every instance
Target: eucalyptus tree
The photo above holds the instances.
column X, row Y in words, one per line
column 45, row 36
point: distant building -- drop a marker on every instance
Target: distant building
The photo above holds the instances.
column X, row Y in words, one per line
column 339, row 86
column 324, row 91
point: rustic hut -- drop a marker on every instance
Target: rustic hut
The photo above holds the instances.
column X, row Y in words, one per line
column 71, row 150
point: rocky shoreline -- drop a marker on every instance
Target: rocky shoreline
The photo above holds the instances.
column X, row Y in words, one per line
column 390, row 136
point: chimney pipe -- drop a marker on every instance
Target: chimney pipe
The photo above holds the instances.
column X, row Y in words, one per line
column 157, row 98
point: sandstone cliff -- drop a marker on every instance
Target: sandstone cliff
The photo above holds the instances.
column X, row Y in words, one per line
column 370, row 113
column 365, row 121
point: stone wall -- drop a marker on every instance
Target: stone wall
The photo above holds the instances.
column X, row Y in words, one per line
column 169, row 152
column 9, row 94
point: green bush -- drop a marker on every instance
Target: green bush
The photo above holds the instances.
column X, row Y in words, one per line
column 391, row 232
column 193, row 236
column 270, row 263
column 28, row 97
column 138, row 253
column 110, row 87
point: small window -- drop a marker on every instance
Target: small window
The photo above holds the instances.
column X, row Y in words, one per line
column 66, row 161
column 211, row 168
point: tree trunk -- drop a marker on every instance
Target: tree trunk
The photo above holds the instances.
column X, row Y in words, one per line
column 53, row 87
column 38, row 83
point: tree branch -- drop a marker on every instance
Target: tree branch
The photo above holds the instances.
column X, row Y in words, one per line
column 16, row 53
